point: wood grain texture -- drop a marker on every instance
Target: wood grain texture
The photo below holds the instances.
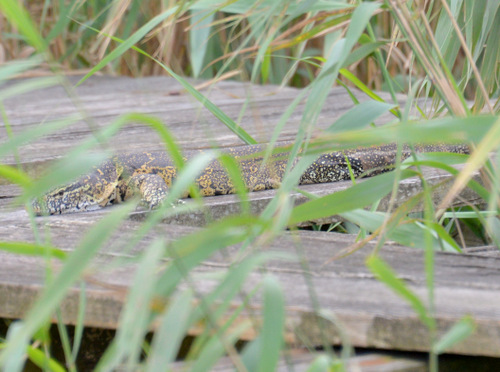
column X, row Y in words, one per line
column 102, row 99
column 299, row 361
column 370, row 314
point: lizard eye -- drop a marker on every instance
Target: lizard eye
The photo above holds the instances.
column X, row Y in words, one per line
column 60, row 193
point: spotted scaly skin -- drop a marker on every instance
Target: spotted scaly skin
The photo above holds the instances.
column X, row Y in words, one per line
column 151, row 175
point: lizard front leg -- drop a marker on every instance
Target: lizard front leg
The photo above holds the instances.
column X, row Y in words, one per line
column 151, row 187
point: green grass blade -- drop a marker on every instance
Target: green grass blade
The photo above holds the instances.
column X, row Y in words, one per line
column 442, row 130
column 338, row 54
column 273, row 326
column 31, row 249
column 65, row 343
column 79, row 325
column 443, row 161
column 361, row 86
column 9, row 70
column 216, row 305
column 460, row 331
column 251, row 354
column 174, row 323
column 40, row 359
column 234, row 172
column 489, row 66
column 63, row 19
column 362, row 52
column 127, row 44
column 360, row 116
column 190, row 172
column 324, row 363
column 54, row 293
column 62, row 172
column 267, row 34
column 493, row 227
column 14, row 175
column 166, row 136
column 198, row 39
column 386, row 275
column 194, row 248
column 478, row 158
column 135, row 316
column 216, row 347
column 32, row 134
column 357, row 196
column 28, row 86
column 449, row 244
column 245, row 6
column 74, row 164
column 409, row 233
column 18, row 16
column 217, row 112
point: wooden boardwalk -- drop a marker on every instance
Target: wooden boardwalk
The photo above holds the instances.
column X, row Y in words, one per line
column 371, row 314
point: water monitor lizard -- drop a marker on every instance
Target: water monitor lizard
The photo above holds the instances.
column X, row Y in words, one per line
column 151, row 174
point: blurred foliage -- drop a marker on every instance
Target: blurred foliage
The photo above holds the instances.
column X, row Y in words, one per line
column 266, row 41
column 443, row 51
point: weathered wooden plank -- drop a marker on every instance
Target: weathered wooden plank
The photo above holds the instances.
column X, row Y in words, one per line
column 369, row 312
column 300, row 360
column 103, row 99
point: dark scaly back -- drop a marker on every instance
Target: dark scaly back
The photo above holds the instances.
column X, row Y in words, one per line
column 377, row 159
column 257, row 175
column 331, row 167
column 148, row 163
column 214, row 179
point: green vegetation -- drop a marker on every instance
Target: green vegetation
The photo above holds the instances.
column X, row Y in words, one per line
column 445, row 53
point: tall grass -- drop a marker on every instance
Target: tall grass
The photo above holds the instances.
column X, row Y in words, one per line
column 443, row 54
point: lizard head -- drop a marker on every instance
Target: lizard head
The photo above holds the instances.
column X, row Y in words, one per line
column 77, row 196
column 90, row 192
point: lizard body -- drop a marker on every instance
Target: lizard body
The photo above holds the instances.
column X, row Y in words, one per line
column 151, row 175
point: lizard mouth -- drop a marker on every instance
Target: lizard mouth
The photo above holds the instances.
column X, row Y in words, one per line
column 37, row 207
column 41, row 207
